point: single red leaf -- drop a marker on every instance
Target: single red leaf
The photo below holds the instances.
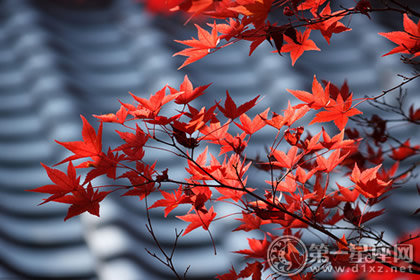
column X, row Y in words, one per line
column 188, row 92
column 297, row 49
column 91, row 146
column 250, row 222
column 63, row 183
column 200, row 47
column 198, row 219
column 171, row 200
column 252, row 269
column 83, row 200
column 408, row 41
column 231, row 111
column 338, row 111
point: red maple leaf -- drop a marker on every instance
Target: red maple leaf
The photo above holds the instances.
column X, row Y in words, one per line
column 258, row 248
column 414, row 115
column 152, row 106
column 404, row 151
column 63, row 183
column 198, row 219
column 296, row 49
column 83, row 200
column 171, row 200
column 338, row 111
column 368, row 183
column 250, row 127
column 231, row 275
column 408, row 41
column 329, row 26
column 141, row 180
column 91, row 146
column 256, row 10
column 105, row 164
column 317, row 100
column 310, row 4
column 118, row 117
column 199, row 48
column 231, row 111
column 331, row 163
column 250, row 222
column 347, row 194
column 286, row 161
column 133, row 146
column 188, row 92
column 252, row 269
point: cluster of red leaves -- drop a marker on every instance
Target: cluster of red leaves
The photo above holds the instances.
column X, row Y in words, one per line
column 303, row 171
column 299, row 193
column 248, row 20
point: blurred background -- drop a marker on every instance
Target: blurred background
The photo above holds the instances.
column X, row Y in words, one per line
column 60, row 59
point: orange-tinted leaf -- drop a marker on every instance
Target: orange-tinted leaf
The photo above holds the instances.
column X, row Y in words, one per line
column 200, row 47
column 408, row 41
column 338, row 111
column 297, row 49
column 317, row 100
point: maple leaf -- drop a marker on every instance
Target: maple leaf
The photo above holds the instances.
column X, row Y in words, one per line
column 91, row 146
column 336, row 142
column 404, row 151
column 338, row 111
column 313, row 5
column 293, row 138
column 152, row 106
column 250, row 222
column 230, row 29
column 317, row 100
column 171, row 200
column 347, row 195
column 408, row 40
column 329, row 26
column 286, row 185
column 329, row 164
column 119, row 117
column 286, row 161
column 303, row 43
column 63, row 183
column 236, row 144
column 198, row 219
column 199, row 48
column 188, row 92
column 292, row 114
column 258, row 248
column 414, row 115
column 368, row 183
column 250, row 127
column 231, row 275
column 83, row 200
column 105, row 164
column 214, row 132
column 134, row 143
column 302, row 176
column 252, row 269
column 231, row 111
column 141, row 180
column 256, row 10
